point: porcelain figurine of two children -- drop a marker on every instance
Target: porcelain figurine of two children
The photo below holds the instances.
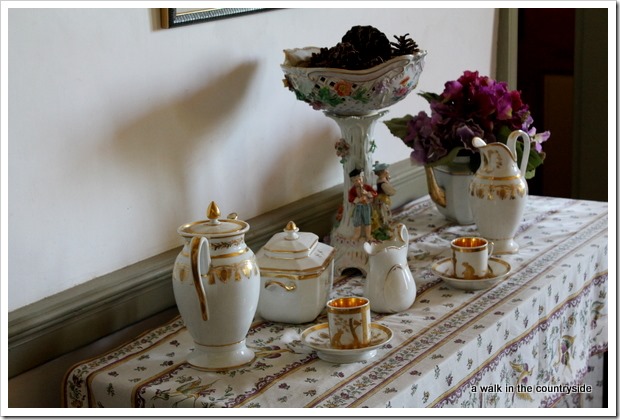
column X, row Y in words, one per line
column 371, row 207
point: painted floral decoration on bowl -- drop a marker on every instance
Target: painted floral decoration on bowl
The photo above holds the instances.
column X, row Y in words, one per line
column 336, row 79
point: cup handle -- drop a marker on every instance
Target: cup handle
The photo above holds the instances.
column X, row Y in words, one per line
column 490, row 246
column 490, row 272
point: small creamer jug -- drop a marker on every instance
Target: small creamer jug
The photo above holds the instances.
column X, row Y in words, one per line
column 389, row 285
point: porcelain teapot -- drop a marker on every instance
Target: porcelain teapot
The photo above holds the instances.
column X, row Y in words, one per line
column 498, row 191
column 216, row 284
column 389, row 285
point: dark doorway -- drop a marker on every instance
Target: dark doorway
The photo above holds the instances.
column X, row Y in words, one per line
column 545, row 78
column 562, row 74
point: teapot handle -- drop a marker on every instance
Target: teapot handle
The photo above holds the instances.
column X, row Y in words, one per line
column 512, row 145
column 197, row 246
column 438, row 194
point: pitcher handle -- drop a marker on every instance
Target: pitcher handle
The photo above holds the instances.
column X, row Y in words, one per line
column 196, row 246
column 512, row 145
column 403, row 233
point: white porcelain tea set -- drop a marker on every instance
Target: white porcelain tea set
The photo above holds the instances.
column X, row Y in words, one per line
column 220, row 285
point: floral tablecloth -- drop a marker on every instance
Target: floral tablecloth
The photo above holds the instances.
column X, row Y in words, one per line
column 536, row 339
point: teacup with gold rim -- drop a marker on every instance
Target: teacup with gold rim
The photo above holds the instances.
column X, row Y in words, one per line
column 349, row 322
column 470, row 257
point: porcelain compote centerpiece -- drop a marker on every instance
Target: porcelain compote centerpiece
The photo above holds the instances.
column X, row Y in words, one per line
column 346, row 92
column 355, row 100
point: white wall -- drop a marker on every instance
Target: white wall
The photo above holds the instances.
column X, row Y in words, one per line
column 119, row 132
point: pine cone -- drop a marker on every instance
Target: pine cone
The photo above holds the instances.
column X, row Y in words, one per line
column 373, row 45
column 341, row 56
column 362, row 47
column 320, row 59
column 346, row 56
column 403, row 46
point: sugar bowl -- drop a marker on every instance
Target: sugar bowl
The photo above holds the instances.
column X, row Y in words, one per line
column 297, row 273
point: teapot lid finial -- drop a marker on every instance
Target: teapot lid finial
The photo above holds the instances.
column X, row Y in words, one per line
column 213, row 213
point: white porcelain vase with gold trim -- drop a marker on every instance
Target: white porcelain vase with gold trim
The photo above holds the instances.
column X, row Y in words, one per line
column 498, row 192
column 216, row 284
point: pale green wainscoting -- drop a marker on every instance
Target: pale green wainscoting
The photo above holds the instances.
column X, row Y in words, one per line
column 49, row 328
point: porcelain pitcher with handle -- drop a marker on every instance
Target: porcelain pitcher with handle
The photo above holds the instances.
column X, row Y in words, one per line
column 216, row 284
column 389, row 285
column 498, row 191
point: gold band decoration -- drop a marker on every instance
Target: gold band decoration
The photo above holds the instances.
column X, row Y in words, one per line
column 502, row 192
column 226, row 244
column 470, row 242
column 236, row 272
column 232, row 254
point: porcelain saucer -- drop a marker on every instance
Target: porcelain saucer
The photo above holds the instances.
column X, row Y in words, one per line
column 317, row 338
column 499, row 269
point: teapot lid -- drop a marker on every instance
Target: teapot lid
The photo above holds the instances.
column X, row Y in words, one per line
column 215, row 227
column 291, row 244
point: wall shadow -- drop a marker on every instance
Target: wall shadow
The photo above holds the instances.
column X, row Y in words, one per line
column 164, row 138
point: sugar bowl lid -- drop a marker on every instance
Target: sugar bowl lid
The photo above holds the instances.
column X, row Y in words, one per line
column 291, row 244
column 215, row 227
column 292, row 251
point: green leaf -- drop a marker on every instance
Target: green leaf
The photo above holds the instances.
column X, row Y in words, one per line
column 300, row 96
column 429, row 96
column 503, row 133
column 361, row 95
column 535, row 159
column 326, row 96
column 398, row 126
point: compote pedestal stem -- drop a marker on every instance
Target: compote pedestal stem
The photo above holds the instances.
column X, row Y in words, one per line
column 357, row 131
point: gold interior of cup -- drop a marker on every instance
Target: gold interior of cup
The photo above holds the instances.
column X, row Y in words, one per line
column 468, row 242
column 347, row 302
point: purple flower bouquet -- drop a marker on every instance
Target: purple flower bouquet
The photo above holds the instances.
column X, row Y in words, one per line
column 471, row 106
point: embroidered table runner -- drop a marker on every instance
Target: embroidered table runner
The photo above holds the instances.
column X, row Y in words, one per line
column 535, row 339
